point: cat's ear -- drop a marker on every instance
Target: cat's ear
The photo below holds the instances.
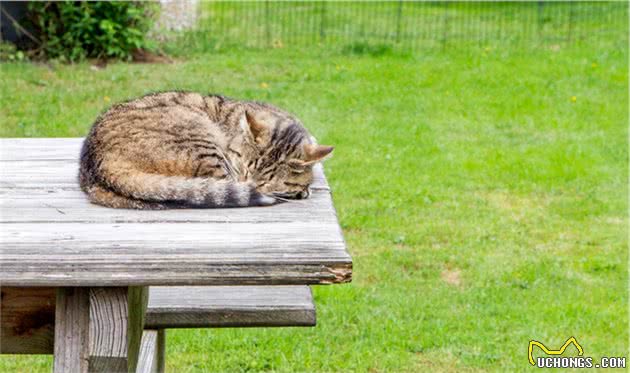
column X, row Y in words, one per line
column 254, row 126
column 316, row 153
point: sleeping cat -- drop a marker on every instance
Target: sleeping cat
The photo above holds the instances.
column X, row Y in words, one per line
column 182, row 149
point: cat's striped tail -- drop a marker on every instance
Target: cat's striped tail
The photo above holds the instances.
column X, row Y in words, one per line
column 139, row 190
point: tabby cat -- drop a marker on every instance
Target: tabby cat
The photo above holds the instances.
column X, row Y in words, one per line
column 183, row 149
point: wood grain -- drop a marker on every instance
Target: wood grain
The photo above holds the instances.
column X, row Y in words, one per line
column 72, row 330
column 97, row 329
column 229, row 306
column 108, row 329
column 57, row 205
column 51, row 236
column 138, row 300
column 27, row 320
column 116, row 325
column 149, row 352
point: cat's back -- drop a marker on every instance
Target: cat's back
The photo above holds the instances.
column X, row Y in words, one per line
column 157, row 118
column 160, row 109
column 151, row 128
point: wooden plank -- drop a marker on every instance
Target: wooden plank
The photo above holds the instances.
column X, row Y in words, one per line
column 39, row 148
column 27, row 321
column 72, row 330
column 202, row 238
column 229, row 306
column 149, row 350
column 51, row 236
column 66, row 254
column 186, row 273
column 70, row 206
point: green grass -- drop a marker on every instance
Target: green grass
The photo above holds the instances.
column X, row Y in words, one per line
column 482, row 193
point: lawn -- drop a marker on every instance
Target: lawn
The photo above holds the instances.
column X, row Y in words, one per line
column 482, row 192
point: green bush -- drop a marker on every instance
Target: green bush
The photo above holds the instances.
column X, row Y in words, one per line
column 8, row 52
column 74, row 31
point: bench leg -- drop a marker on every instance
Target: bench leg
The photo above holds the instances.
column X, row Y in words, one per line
column 99, row 329
column 161, row 351
column 151, row 358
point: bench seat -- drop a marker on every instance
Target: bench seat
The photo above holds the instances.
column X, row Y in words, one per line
column 215, row 307
column 229, row 306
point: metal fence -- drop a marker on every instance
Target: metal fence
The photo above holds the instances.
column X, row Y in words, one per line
column 408, row 25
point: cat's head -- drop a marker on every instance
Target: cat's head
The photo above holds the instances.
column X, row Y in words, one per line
column 285, row 155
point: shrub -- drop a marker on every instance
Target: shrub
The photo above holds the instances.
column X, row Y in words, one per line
column 8, row 52
column 77, row 30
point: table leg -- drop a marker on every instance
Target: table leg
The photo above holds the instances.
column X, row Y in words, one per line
column 161, row 351
column 109, row 341
column 71, row 330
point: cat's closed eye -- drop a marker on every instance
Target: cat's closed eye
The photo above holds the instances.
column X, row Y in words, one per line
column 294, row 184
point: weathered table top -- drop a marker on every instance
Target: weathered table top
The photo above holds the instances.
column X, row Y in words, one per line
column 50, row 235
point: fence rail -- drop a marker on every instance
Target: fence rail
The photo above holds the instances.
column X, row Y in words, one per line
column 409, row 25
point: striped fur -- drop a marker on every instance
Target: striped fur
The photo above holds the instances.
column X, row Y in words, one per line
column 186, row 150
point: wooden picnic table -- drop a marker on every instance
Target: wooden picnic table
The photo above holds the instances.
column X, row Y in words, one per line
column 101, row 261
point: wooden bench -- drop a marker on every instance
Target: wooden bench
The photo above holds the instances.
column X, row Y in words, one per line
column 28, row 316
column 219, row 307
column 84, row 281
column 229, row 306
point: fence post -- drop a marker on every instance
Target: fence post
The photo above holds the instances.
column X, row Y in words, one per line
column 267, row 25
column 398, row 19
column 570, row 28
column 322, row 24
column 445, row 24
column 541, row 4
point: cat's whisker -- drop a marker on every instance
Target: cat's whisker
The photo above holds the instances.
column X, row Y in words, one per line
column 281, row 199
column 273, row 195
